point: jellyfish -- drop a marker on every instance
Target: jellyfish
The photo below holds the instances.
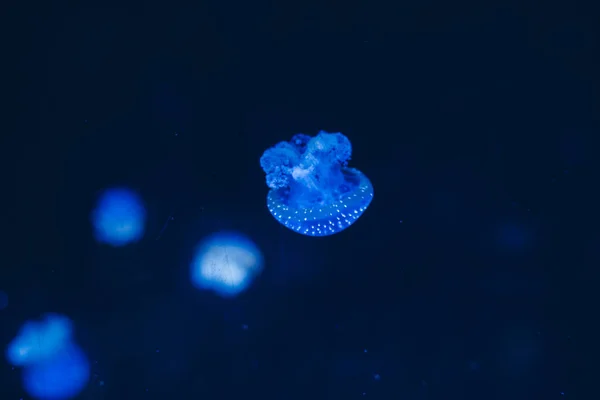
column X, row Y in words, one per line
column 39, row 340
column 54, row 366
column 226, row 263
column 313, row 191
column 119, row 217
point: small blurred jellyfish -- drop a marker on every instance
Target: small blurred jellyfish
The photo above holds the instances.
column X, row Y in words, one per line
column 3, row 300
column 513, row 236
column 60, row 377
column 313, row 191
column 55, row 368
column 119, row 217
column 39, row 340
column 226, row 263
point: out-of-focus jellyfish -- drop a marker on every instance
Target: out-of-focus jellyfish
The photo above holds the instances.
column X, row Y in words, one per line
column 119, row 217
column 55, row 368
column 226, row 263
column 39, row 340
column 60, row 377
column 313, row 191
column 3, row 300
column 512, row 236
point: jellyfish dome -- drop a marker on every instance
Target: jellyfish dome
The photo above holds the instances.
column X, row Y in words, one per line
column 226, row 263
column 313, row 191
column 119, row 217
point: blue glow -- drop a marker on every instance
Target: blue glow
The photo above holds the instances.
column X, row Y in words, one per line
column 119, row 217
column 60, row 377
column 313, row 191
column 39, row 340
column 512, row 236
column 55, row 368
column 226, row 263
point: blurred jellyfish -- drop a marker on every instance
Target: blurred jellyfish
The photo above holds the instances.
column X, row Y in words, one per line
column 119, row 217
column 313, row 191
column 55, row 368
column 3, row 300
column 60, row 377
column 512, row 236
column 226, row 263
column 39, row 340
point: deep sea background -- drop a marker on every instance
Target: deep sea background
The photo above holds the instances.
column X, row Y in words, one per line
column 471, row 275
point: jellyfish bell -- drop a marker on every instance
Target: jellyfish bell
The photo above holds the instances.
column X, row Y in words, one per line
column 313, row 191
column 119, row 217
column 226, row 263
column 323, row 215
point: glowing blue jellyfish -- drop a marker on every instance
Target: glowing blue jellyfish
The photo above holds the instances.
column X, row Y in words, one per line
column 55, row 368
column 61, row 377
column 119, row 217
column 226, row 263
column 313, row 191
column 39, row 340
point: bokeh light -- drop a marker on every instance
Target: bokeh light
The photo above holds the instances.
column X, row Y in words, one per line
column 119, row 217
column 226, row 263
column 514, row 236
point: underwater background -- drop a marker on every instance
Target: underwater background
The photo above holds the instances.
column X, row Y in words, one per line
column 141, row 261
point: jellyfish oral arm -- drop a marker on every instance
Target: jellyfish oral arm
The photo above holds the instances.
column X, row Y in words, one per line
column 313, row 192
